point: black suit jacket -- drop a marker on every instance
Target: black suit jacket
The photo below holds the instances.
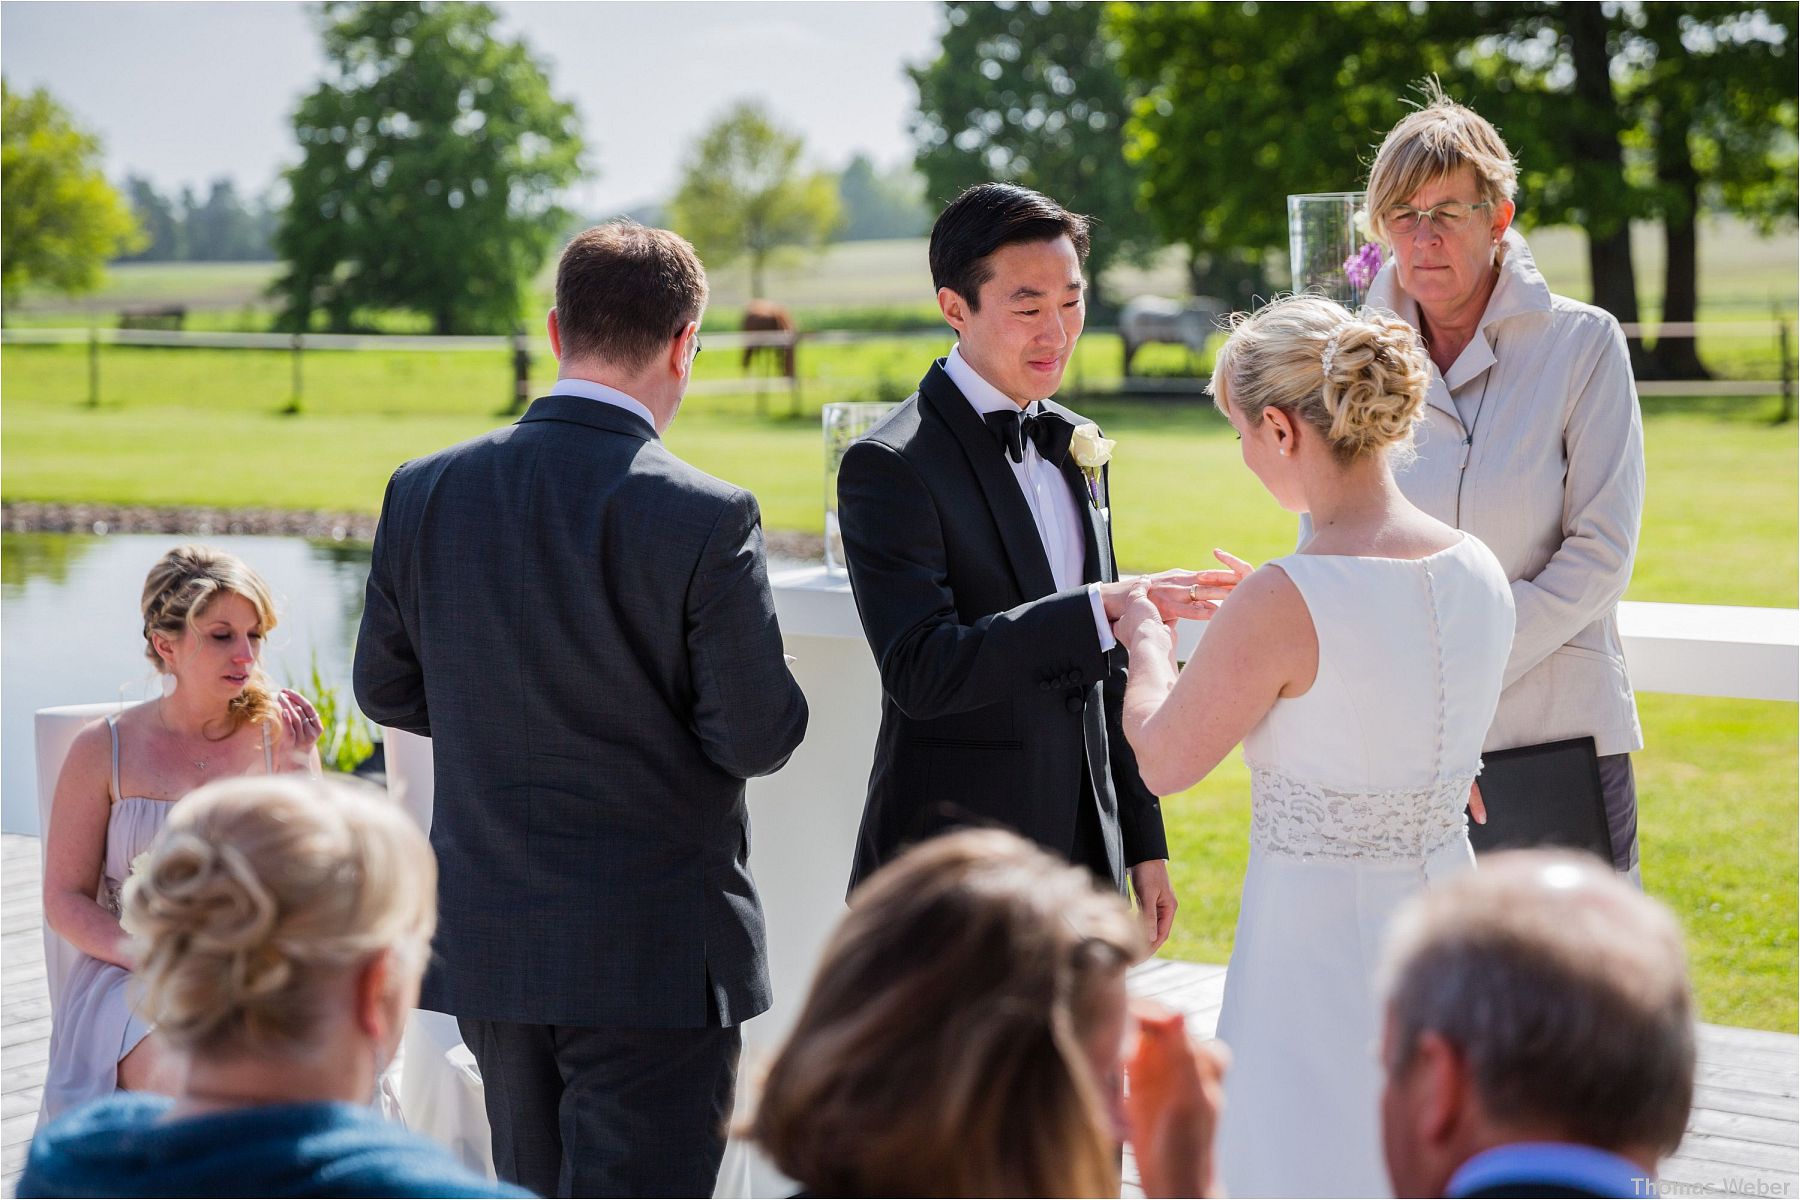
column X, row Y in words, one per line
column 582, row 624
column 995, row 694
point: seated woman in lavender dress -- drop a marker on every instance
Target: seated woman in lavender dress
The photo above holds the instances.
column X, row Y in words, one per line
column 205, row 617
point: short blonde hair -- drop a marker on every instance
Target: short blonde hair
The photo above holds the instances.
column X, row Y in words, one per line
column 1358, row 379
column 178, row 590
column 1441, row 138
column 939, row 1052
column 261, row 890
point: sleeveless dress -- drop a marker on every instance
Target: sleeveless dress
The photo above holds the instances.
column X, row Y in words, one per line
column 96, row 1025
column 1358, row 791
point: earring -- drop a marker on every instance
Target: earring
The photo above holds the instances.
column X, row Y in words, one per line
column 1282, row 452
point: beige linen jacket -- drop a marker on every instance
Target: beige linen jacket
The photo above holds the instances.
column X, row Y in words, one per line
column 1554, row 484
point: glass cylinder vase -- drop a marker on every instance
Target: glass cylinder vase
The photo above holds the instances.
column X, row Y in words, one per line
column 1330, row 249
column 844, row 423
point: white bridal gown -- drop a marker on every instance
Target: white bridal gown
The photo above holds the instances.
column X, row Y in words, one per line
column 1358, row 791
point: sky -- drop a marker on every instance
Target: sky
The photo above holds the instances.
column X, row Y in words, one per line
column 185, row 92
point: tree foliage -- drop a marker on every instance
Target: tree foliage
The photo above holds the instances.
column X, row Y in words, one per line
column 222, row 228
column 60, row 221
column 1032, row 94
column 881, row 204
column 1244, row 103
column 744, row 193
column 432, row 158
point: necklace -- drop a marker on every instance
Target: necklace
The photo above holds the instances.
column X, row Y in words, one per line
column 199, row 763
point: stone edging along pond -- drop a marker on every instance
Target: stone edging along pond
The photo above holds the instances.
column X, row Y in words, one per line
column 198, row 521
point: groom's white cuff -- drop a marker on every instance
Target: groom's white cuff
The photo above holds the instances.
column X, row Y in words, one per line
column 1101, row 625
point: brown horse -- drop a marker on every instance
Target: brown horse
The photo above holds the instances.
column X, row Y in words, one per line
column 765, row 316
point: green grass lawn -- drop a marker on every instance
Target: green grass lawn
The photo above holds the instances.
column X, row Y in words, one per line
column 1717, row 781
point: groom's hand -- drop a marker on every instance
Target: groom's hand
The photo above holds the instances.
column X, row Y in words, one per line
column 1180, row 594
column 1155, row 900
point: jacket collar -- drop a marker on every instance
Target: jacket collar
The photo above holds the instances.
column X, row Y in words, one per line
column 1012, row 515
column 579, row 410
column 1521, row 289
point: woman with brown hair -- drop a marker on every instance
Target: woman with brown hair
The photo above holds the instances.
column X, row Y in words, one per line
column 964, row 1035
column 206, row 615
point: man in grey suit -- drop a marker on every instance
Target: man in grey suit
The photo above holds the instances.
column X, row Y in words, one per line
column 582, row 624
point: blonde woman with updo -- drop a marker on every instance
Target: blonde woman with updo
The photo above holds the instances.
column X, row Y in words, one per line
column 1360, row 674
column 206, row 615
column 964, row 1035
column 280, row 927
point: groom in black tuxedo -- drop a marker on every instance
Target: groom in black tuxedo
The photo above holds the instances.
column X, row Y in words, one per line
column 981, row 556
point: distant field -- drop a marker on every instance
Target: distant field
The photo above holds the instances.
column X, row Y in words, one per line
column 1742, row 275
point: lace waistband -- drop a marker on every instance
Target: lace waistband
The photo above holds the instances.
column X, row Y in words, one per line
column 1301, row 819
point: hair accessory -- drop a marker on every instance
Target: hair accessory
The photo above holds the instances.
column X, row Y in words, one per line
column 1331, row 349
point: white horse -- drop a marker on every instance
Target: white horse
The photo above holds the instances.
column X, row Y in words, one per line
column 1146, row 319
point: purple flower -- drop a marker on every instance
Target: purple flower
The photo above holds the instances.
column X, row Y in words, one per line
column 1360, row 268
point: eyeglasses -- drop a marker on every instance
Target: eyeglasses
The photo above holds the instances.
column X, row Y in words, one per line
column 1447, row 217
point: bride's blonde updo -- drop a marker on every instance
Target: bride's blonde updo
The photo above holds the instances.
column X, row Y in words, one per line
column 177, row 592
column 1359, row 379
column 258, row 894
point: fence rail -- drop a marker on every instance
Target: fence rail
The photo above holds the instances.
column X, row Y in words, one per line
column 519, row 347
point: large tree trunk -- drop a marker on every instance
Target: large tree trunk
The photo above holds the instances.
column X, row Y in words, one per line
column 1678, row 357
column 1600, row 167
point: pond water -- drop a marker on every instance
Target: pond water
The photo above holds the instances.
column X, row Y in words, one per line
column 70, row 631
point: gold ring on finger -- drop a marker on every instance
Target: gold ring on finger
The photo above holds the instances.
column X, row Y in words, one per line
column 1193, row 591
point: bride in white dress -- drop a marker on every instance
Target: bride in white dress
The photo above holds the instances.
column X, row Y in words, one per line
column 1360, row 674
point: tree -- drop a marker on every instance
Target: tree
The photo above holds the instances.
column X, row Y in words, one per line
column 162, row 225
column 881, row 204
column 60, row 221
column 432, row 156
column 1715, row 101
column 744, row 194
column 1032, row 94
column 1241, row 105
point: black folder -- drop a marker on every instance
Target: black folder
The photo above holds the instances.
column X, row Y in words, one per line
column 1546, row 795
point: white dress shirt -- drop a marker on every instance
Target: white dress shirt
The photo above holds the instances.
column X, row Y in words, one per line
column 1047, row 494
column 587, row 389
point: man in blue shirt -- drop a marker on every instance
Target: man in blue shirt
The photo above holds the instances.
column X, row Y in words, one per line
column 1539, row 1037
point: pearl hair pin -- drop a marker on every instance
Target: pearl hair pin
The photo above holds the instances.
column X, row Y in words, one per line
column 1329, row 357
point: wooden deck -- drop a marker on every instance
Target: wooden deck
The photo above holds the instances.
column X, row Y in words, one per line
column 1743, row 1139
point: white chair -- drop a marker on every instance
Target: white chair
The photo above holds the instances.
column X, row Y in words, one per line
column 440, row 1083
column 56, row 729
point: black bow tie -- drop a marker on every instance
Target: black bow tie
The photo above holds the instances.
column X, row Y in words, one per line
column 1051, row 433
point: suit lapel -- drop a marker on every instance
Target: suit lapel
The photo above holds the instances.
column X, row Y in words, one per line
column 1093, row 534
column 1012, row 516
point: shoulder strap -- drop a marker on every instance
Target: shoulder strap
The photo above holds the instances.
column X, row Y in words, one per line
column 268, row 751
column 112, row 728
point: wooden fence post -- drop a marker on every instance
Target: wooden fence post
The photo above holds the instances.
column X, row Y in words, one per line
column 1787, row 373
column 93, row 367
column 297, row 345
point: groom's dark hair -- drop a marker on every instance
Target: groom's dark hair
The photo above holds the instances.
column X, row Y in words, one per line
column 623, row 291
column 987, row 217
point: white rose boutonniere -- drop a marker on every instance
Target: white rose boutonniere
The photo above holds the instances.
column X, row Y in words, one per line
column 1091, row 452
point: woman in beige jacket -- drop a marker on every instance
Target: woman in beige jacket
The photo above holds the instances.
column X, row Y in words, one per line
column 1531, row 441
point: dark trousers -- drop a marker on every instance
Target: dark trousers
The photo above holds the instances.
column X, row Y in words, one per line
column 1618, row 790
column 1089, row 848
column 605, row 1111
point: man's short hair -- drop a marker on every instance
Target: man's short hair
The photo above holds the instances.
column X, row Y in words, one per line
column 623, row 291
column 1564, row 988
column 985, row 218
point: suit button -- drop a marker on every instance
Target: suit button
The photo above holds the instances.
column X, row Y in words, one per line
column 1045, row 686
column 1076, row 704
